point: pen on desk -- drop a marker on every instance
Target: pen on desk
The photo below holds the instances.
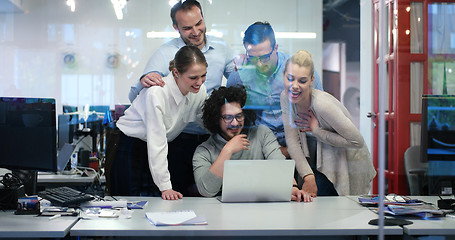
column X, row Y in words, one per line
column 55, row 216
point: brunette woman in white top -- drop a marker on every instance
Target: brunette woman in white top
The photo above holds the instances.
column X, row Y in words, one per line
column 157, row 116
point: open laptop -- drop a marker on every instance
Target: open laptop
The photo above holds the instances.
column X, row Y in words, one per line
column 257, row 180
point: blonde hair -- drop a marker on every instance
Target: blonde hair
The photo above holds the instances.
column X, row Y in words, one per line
column 303, row 59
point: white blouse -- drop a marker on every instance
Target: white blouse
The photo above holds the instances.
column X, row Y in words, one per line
column 158, row 115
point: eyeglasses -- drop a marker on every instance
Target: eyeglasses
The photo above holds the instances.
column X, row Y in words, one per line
column 228, row 118
column 263, row 59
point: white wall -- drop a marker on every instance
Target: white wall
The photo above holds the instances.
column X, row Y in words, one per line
column 33, row 43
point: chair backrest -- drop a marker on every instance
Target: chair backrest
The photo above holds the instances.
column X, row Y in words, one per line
column 415, row 171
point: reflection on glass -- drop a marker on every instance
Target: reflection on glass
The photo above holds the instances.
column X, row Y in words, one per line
column 416, row 27
column 82, row 89
column 441, row 48
column 416, row 90
column 441, row 17
column 415, row 129
column 389, row 37
column 442, row 77
column 389, row 70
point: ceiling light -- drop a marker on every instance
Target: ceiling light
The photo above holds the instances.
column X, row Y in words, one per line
column 71, row 4
column 118, row 8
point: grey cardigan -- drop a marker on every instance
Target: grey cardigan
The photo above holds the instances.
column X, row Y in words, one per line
column 342, row 154
column 263, row 145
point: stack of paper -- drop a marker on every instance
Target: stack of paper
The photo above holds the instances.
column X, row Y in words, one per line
column 185, row 217
column 389, row 200
column 423, row 211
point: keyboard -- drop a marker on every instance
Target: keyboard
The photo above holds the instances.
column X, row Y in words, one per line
column 65, row 196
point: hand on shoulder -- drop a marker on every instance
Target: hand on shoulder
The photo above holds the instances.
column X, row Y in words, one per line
column 152, row 79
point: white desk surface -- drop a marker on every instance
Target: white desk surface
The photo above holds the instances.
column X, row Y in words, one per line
column 59, row 178
column 441, row 226
column 326, row 216
column 66, row 178
column 31, row 226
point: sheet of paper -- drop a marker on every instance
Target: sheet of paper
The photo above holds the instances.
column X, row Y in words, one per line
column 186, row 217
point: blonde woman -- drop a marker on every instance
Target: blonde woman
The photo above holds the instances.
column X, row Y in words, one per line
column 330, row 153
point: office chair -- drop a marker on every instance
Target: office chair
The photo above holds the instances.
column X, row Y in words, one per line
column 415, row 171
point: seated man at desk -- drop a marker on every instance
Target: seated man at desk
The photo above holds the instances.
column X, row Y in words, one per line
column 233, row 137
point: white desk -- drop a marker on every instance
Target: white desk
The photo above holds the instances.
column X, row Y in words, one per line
column 55, row 180
column 439, row 227
column 62, row 178
column 326, row 217
column 31, row 226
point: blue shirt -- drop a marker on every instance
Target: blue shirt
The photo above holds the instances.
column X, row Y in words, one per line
column 218, row 54
column 219, row 59
column 263, row 93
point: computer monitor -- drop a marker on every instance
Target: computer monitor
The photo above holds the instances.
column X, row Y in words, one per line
column 95, row 119
column 69, row 109
column 28, row 139
column 73, row 123
column 64, row 129
column 438, row 142
column 97, row 112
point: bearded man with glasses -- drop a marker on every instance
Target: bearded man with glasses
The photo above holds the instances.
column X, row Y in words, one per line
column 260, row 71
column 234, row 136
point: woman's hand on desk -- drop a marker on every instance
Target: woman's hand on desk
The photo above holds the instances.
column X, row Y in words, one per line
column 299, row 195
column 309, row 185
column 171, row 195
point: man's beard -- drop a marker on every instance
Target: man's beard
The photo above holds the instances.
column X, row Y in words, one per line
column 189, row 43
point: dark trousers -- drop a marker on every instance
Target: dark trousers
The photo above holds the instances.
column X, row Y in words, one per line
column 128, row 173
column 180, row 162
column 325, row 186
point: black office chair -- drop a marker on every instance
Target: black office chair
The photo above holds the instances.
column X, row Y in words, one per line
column 416, row 172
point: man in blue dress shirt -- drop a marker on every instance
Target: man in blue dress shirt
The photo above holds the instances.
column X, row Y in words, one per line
column 260, row 70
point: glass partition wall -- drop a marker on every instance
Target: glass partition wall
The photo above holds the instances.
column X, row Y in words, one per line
column 86, row 54
column 419, row 58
